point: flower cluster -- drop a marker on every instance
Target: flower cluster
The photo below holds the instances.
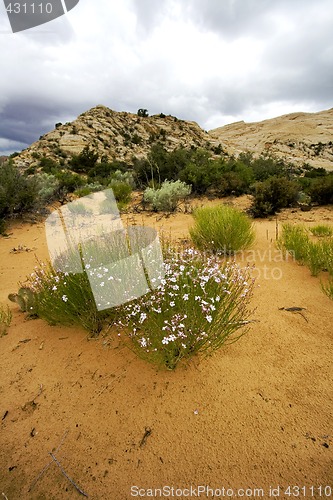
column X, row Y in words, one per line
column 200, row 303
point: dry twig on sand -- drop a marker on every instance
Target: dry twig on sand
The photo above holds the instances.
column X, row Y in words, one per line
column 56, row 461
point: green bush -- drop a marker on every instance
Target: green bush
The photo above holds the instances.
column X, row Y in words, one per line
column 84, row 162
column 321, row 190
column 198, row 177
column 317, row 255
column 104, row 169
column 328, row 288
column 18, row 194
column 265, row 167
column 69, row 182
column 200, row 306
column 167, row 197
column 2, row 227
column 162, row 165
column 316, row 258
column 122, row 192
column 322, row 230
column 126, row 177
column 221, row 229
column 273, row 194
column 143, row 113
column 5, row 320
column 88, row 188
column 295, row 240
column 48, row 187
column 65, row 298
column 48, row 165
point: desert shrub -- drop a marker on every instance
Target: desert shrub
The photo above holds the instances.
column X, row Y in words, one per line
column 199, row 178
column 143, row 113
column 136, row 139
column 321, row 190
column 200, row 306
column 122, row 192
column 167, row 197
column 295, row 240
column 18, row 193
column 328, row 288
column 65, row 298
column 126, row 177
column 303, row 198
column 236, row 177
column 273, row 194
column 327, row 250
column 5, row 320
column 92, row 187
column 317, row 255
column 234, row 183
column 104, row 169
column 30, row 170
column 313, row 172
column 48, row 187
column 84, row 162
column 82, row 191
column 322, row 230
column 48, row 165
column 162, row 165
column 316, row 258
column 69, row 182
column 221, row 229
column 265, row 167
column 222, row 177
column 2, row 227
column 79, row 208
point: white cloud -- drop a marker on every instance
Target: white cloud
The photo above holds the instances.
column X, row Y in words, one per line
column 214, row 62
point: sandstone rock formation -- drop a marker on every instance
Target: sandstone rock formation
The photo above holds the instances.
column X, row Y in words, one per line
column 297, row 137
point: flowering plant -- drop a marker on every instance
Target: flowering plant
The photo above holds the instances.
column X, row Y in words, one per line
column 199, row 306
column 65, row 298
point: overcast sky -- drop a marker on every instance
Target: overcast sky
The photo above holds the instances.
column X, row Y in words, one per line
column 211, row 61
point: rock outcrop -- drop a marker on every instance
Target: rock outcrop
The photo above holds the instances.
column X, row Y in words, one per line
column 297, row 137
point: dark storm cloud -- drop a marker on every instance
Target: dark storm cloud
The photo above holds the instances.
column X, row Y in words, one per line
column 25, row 122
column 231, row 18
column 213, row 62
column 235, row 18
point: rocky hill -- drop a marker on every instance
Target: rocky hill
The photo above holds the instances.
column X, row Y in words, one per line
column 297, row 137
column 116, row 135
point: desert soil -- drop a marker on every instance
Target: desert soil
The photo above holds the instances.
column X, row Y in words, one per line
column 257, row 414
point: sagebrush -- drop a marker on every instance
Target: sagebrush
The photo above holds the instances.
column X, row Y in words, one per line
column 167, row 197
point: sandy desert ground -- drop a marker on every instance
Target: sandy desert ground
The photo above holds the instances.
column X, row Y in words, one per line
column 256, row 415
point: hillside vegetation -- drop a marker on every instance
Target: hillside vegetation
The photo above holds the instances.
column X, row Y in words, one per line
column 106, row 149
